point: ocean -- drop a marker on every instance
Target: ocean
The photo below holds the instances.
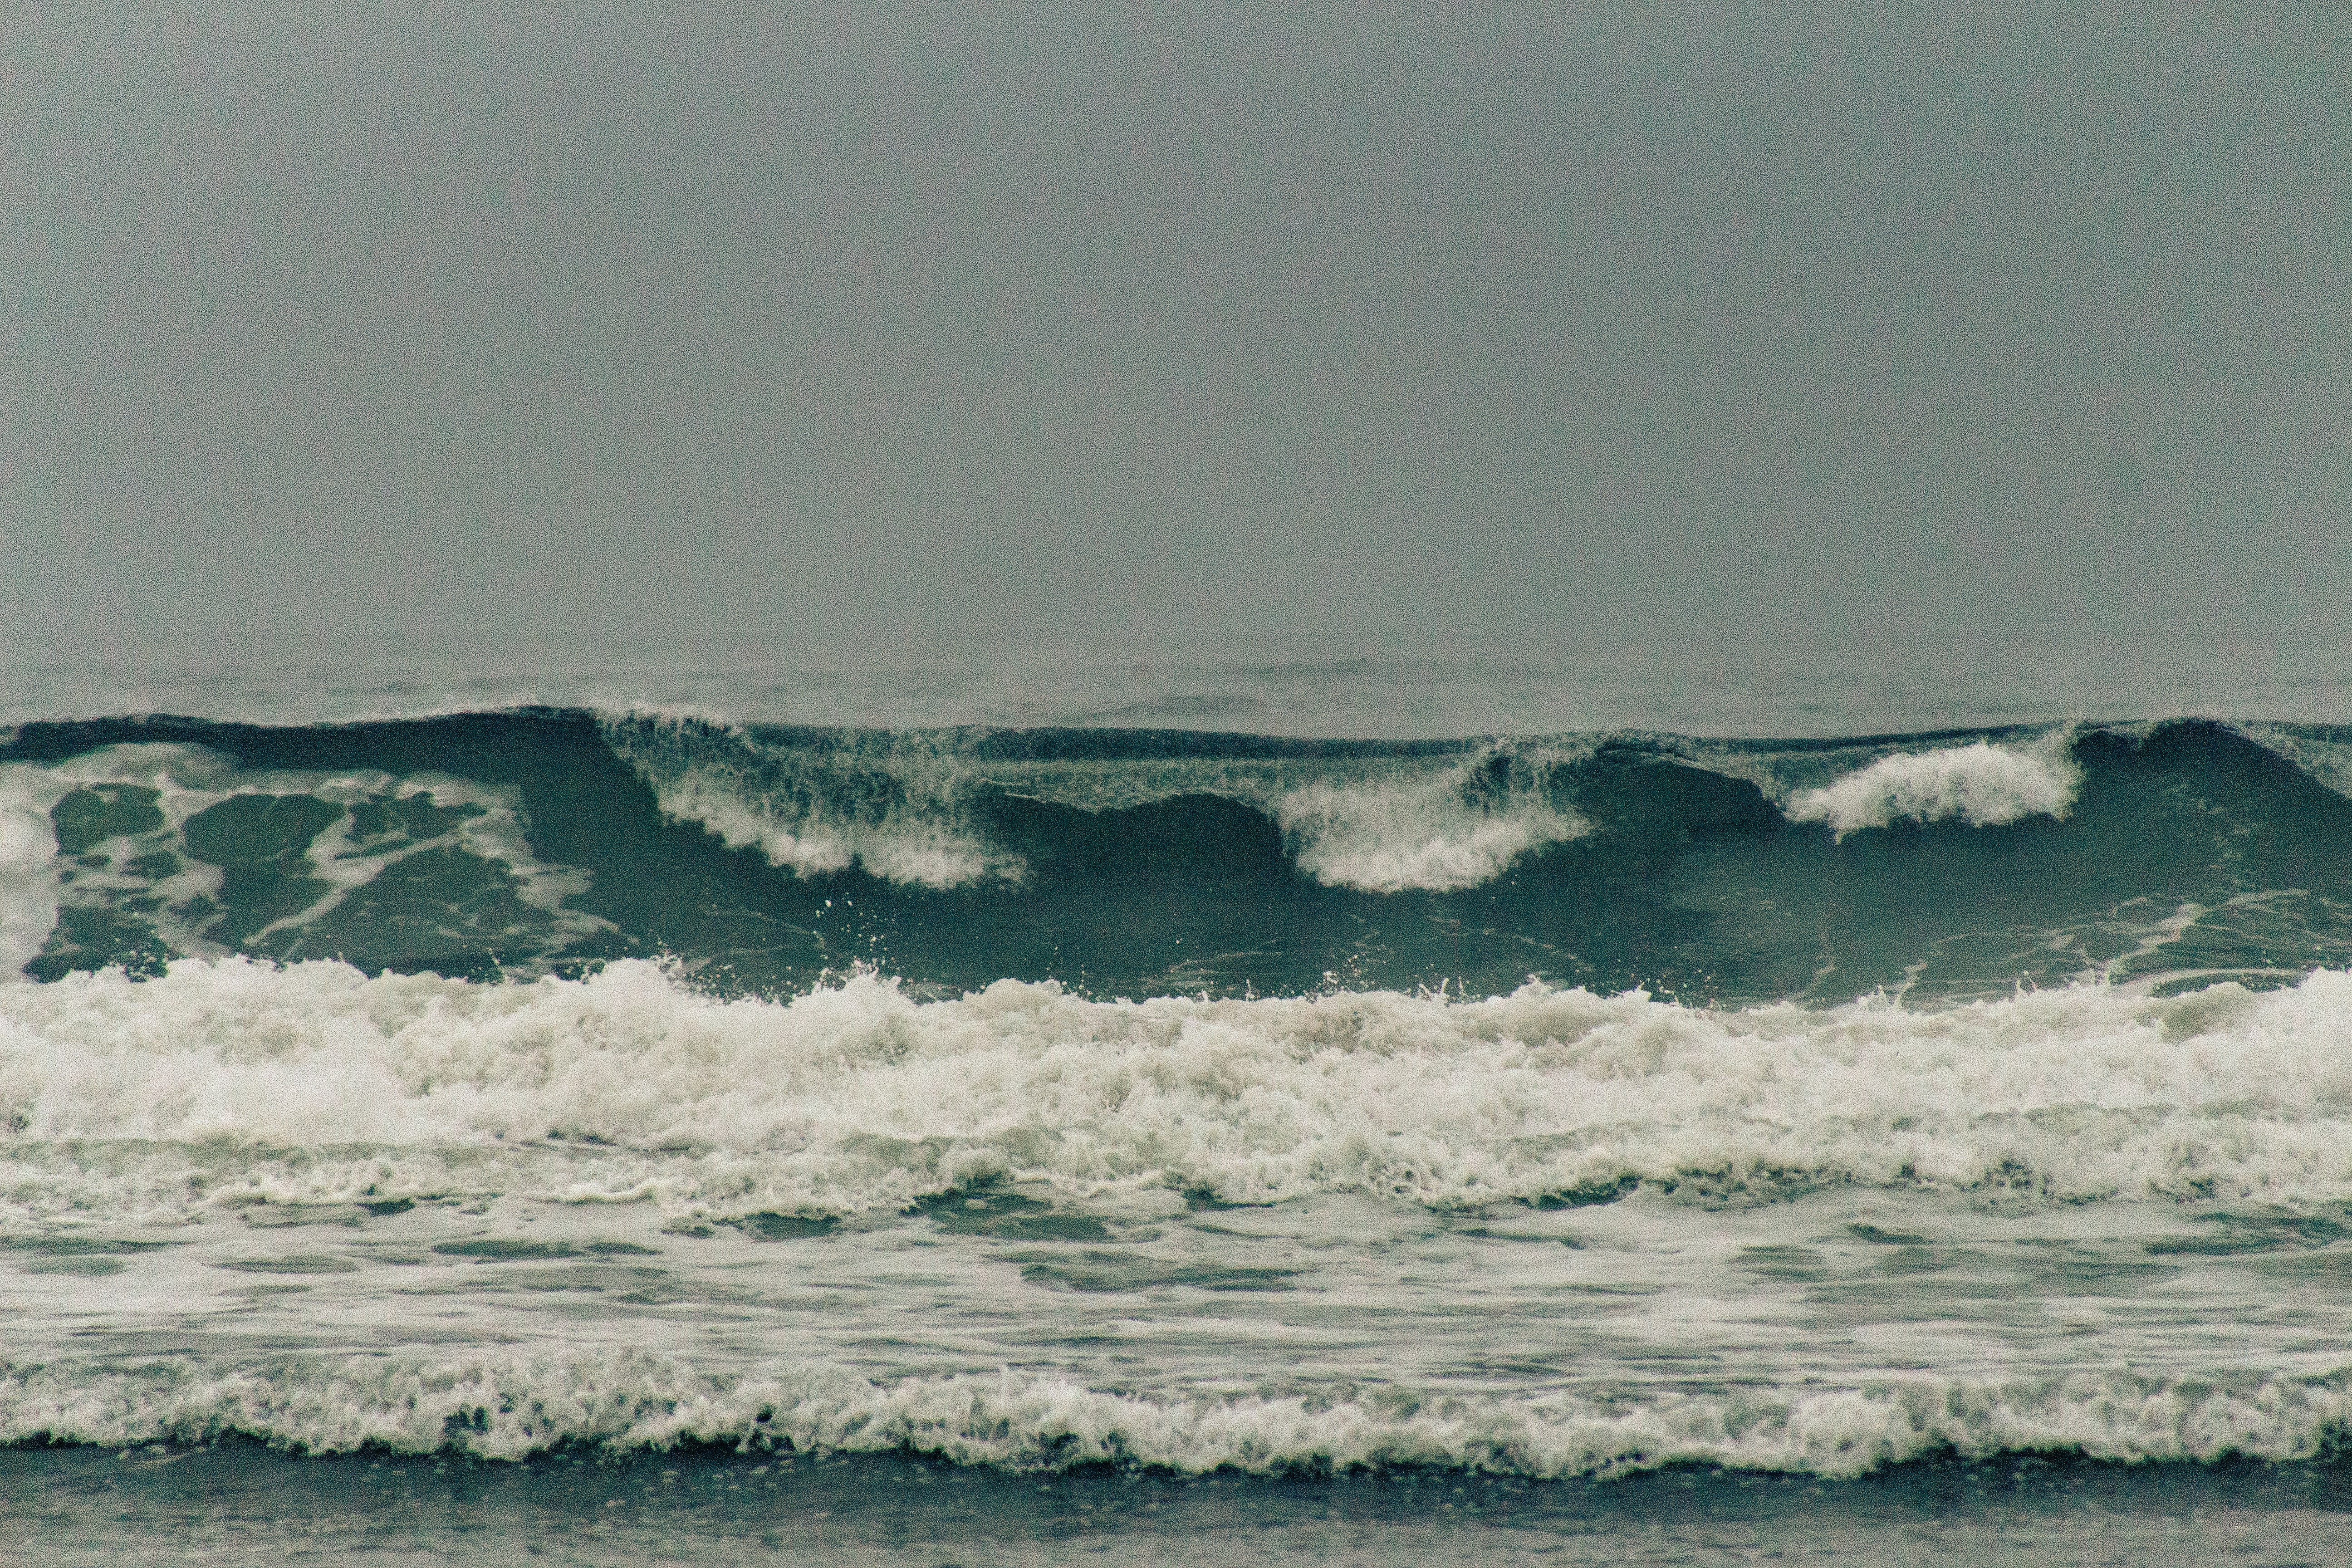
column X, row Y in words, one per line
column 1177, row 1128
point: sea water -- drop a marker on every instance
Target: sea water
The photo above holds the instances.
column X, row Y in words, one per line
column 628, row 1134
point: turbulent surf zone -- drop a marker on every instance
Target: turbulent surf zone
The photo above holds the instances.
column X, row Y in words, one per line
column 505, row 1084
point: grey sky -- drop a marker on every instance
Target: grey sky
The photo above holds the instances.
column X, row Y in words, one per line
column 493, row 334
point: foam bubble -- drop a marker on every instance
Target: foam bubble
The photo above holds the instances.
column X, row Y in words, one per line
column 511, row 1404
column 1982, row 785
column 315, row 1083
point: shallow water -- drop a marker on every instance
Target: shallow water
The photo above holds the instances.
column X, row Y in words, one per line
column 237, row 1505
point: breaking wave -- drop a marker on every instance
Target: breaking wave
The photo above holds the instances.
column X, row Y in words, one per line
column 915, row 809
column 1126, row 863
column 120, row 1096
column 512, row 1405
column 1981, row 785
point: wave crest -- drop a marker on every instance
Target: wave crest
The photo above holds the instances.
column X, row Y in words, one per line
column 1982, row 785
column 315, row 1084
column 511, row 1406
column 914, row 808
column 894, row 807
column 1429, row 835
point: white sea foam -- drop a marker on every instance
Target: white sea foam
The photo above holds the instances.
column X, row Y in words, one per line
column 1982, row 785
column 808, row 837
column 226, row 1081
column 896, row 808
column 504, row 1404
column 1386, row 836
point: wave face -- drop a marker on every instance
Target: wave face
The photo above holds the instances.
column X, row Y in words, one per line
column 1123, row 863
column 1545, row 1107
column 1151, row 864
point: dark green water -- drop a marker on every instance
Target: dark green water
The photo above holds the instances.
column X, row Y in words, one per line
column 1142, row 864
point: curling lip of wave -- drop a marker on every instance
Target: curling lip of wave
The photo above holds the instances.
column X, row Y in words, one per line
column 1432, row 830
column 1982, row 785
column 894, row 808
column 905, row 809
column 912, row 853
column 1394, row 837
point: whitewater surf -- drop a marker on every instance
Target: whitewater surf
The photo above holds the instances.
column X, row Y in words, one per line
column 1137, row 1109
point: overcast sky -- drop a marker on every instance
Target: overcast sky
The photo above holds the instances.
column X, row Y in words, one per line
column 493, row 334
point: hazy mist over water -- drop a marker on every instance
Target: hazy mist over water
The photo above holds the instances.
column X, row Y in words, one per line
column 1675, row 339
column 1689, row 692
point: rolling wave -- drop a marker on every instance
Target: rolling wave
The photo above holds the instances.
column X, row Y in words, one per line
column 512, row 1405
column 1138, row 862
column 324, row 1085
